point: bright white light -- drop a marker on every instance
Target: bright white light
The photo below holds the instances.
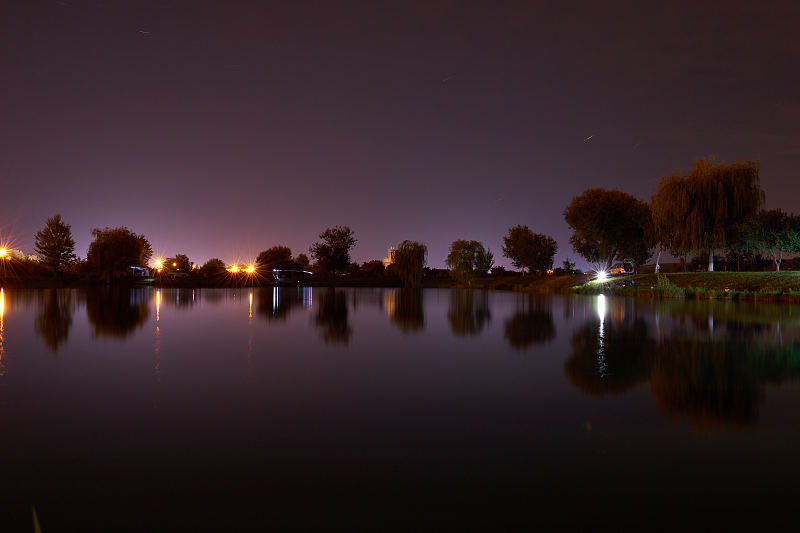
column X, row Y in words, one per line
column 602, row 275
column 601, row 307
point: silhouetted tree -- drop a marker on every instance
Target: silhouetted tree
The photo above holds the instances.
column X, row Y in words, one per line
column 213, row 266
column 54, row 243
column 409, row 261
column 468, row 259
column 276, row 257
column 608, row 225
column 775, row 232
column 702, row 211
column 115, row 250
column 302, row 261
column 333, row 252
column 373, row 269
column 530, row 250
column 179, row 263
column 668, row 208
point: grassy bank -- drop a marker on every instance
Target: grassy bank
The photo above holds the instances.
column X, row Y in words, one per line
column 764, row 286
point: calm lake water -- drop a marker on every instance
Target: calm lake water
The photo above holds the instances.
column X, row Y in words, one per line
column 378, row 409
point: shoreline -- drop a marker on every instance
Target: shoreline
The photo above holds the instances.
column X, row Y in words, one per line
column 750, row 286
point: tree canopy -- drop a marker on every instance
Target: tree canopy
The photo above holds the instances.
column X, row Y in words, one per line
column 115, row 250
column 468, row 259
column 530, row 250
column 179, row 263
column 332, row 252
column 213, row 266
column 773, row 231
column 609, row 225
column 705, row 209
column 409, row 261
column 275, row 257
column 55, row 244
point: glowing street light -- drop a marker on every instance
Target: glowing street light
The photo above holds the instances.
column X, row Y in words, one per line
column 3, row 253
column 250, row 269
column 602, row 275
column 234, row 269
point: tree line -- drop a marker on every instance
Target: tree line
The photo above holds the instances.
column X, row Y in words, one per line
column 715, row 207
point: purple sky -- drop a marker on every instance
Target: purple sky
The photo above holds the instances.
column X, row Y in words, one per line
column 223, row 128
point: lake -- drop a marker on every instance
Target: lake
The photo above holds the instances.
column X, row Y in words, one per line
column 382, row 409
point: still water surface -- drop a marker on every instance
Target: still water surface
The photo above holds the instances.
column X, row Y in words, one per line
column 376, row 409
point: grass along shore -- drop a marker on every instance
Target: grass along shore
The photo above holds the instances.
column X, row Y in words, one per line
column 778, row 286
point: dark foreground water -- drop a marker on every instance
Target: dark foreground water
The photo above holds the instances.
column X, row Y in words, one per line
column 381, row 409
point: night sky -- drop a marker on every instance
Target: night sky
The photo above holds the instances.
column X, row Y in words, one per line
column 223, row 128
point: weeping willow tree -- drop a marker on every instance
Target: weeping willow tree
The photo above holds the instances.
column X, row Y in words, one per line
column 703, row 211
column 409, row 262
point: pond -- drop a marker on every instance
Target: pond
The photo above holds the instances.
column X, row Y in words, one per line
column 376, row 409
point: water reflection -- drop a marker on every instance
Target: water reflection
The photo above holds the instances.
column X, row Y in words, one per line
column 116, row 312
column 331, row 317
column 469, row 311
column 712, row 378
column 608, row 357
column 55, row 317
column 532, row 323
column 275, row 304
column 2, row 333
column 405, row 309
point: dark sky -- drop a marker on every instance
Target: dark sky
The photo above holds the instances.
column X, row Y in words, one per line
column 223, row 128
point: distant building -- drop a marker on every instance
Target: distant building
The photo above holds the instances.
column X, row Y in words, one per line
column 389, row 259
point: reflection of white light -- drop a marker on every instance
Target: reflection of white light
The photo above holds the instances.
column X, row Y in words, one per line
column 2, row 308
column 601, row 306
column 602, row 275
column 250, row 297
column 158, row 304
column 602, row 366
column 275, row 300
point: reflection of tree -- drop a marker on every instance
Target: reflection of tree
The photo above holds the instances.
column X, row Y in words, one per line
column 332, row 316
column 408, row 312
column 469, row 311
column 712, row 381
column 534, row 326
column 55, row 317
column 116, row 312
column 718, row 382
column 275, row 303
column 608, row 357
